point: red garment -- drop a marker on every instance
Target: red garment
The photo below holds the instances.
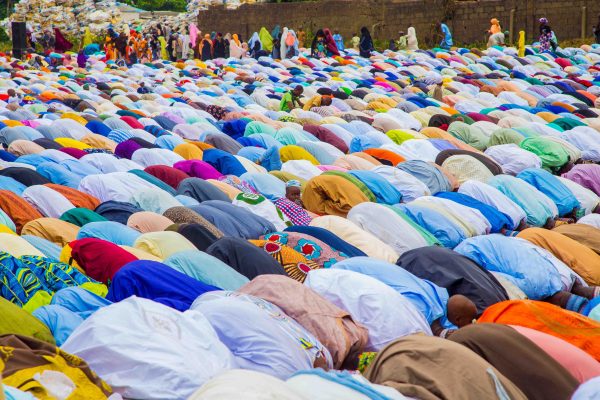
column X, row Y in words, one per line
column 169, row 175
column 73, row 152
column 100, row 259
column 132, row 122
column 61, row 43
column 330, row 42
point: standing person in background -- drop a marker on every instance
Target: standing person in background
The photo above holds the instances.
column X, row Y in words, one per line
column 355, row 41
column 219, row 46
column 318, row 47
column 205, row 48
column 332, row 49
column 301, row 37
column 495, row 28
column 185, row 44
column 402, row 41
column 366, row 43
column 412, row 43
column 227, row 40
column 339, row 40
column 235, row 47
column 596, row 30
column 446, row 41
column 521, row 43
column 545, row 36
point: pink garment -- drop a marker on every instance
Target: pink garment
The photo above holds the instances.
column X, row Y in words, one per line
column 331, row 168
column 579, row 363
column 194, row 32
column 587, row 175
column 198, row 169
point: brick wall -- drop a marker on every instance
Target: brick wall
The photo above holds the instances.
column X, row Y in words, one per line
column 386, row 17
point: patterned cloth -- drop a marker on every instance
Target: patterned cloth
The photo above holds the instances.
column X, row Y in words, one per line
column 293, row 262
column 311, row 248
column 294, row 212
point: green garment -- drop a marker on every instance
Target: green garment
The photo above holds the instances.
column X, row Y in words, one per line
column 288, row 97
column 568, row 123
column 505, row 136
column 403, row 42
column 552, row 154
column 465, row 118
column 471, row 135
column 356, row 182
column 265, row 39
column 526, row 131
column 81, row 216
column 259, row 127
column 16, row 321
column 398, row 136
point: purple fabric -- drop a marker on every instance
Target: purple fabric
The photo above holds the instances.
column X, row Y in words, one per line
column 126, row 149
column 81, row 59
column 73, row 152
column 175, row 118
column 587, row 175
column 198, row 169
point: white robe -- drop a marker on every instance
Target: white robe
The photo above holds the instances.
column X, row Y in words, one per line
column 146, row 350
column 386, row 313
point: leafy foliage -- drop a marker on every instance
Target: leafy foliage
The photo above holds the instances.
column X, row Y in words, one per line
column 158, row 5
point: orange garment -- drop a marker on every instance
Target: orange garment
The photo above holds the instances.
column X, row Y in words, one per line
column 19, row 211
column 495, row 28
column 76, row 197
column 580, row 258
column 382, row 154
column 570, row 326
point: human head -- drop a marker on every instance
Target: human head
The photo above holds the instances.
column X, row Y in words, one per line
column 11, row 92
column 364, row 31
column 494, row 21
column 354, row 34
column 293, row 193
column 336, row 31
column 326, row 100
column 461, row 310
column 401, row 33
column 298, row 90
column 543, row 21
column 142, row 84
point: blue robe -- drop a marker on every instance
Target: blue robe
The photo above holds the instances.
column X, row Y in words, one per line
column 497, row 220
column 548, row 184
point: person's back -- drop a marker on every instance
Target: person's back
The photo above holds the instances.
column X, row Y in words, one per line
column 339, row 41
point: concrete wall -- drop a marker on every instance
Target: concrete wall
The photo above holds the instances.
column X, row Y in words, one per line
column 386, row 17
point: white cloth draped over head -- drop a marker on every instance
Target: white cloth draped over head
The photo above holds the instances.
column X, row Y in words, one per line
column 493, row 197
column 260, row 335
column 410, row 187
column 386, row 313
column 118, row 186
column 388, row 226
column 353, row 234
column 146, row 350
column 149, row 157
column 47, row 201
column 512, row 158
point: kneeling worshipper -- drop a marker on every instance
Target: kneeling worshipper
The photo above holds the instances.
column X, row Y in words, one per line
column 540, row 209
column 498, row 344
column 117, row 340
column 424, row 367
column 40, row 370
column 67, row 310
column 551, row 186
column 498, row 221
column 260, row 335
column 587, row 175
column 491, row 196
column 431, row 300
column 456, row 273
column 570, row 326
column 331, row 195
column 383, row 311
column 333, row 327
column 534, row 270
column 158, row 282
column 576, row 255
column 391, row 226
column 580, row 364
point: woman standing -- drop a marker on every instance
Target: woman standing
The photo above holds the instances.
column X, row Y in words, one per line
column 366, row 43
column 411, row 40
column 545, row 35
